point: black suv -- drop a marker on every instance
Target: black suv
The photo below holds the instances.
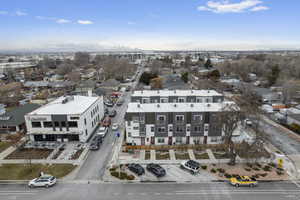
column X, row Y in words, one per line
column 156, row 169
column 136, row 168
column 113, row 113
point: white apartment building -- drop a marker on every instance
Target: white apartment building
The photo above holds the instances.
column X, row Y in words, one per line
column 68, row 118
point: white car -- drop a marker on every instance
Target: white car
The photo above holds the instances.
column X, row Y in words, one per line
column 248, row 122
column 115, row 126
column 102, row 131
column 42, row 181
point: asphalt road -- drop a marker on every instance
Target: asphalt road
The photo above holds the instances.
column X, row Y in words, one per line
column 96, row 162
column 151, row 191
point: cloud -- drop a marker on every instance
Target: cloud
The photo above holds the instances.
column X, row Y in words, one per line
column 2, row 12
column 131, row 23
column 84, row 22
column 259, row 8
column 63, row 21
column 20, row 13
column 226, row 6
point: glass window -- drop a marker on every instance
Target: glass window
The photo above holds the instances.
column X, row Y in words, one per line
column 197, row 118
column 181, row 100
column 36, row 124
column 73, row 124
column 74, row 118
column 161, row 118
column 63, row 124
column 47, row 124
column 152, row 129
column 56, row 124
column 160, row 140
column 178, row 140
column 161, row 129
column 179, row 118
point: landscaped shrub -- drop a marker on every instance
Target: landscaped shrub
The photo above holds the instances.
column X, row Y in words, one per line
column 255, row 168
column 272, row 164
column 279, row 172
column 204, row 167
column 263, row 175
column 249, row 165
column 213, row 170
column 248, row 169
column 267, row 168
column 112, row 169
column 122, row 175
column 258, row 165
column 221, row 170
column 227, row 175
column 279, row 169
column 214, row 165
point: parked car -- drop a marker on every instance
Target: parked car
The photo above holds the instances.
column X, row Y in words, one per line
column 102, row 131
column 108, row 103
column 97, row 139
column 115, row 126
column 106, row 111
column 156, row 169
column 136, row 168
column 243, row 181
column 120, row 102
column 113, row 113
column 42, row 181
column 106, row 121
column 94, row 145
column 190, row 165
column 248, row 122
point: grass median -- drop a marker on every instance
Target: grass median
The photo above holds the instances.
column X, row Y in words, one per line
column 4, row 146
column 30, row 171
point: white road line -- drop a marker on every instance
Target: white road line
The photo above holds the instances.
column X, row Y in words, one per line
column 297, row 184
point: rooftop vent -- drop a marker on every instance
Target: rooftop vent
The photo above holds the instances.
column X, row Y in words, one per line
column 207, row 91
column 138, row 105
column 157, row 91
column 175, row 91
column 158, row 105
column 175, row 105
column 192, row 91
column 67, row 99
column 192, row 105
column 208, row 105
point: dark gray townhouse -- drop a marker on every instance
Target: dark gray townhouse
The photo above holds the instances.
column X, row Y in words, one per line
column 168, row 117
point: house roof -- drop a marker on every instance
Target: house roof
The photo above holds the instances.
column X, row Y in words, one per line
column 179, row 107
column 110, row 82
column 204, row 93
column 15, row 117
column 73, row 105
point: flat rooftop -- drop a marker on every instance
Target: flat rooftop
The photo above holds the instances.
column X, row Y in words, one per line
column 166, row 93
column 178, row 107
column 73, row 105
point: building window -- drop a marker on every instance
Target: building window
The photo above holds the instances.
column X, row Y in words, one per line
column 152, row 129
column 74, row 118
column 86, row 132
column 199, row 100
column 136, row 128
column 47, row 124
column 92, row 123
column 84, row 121
column 161, row 129
column 179, row 129
column 178, row 140
column 181, row 100
column 179, row 118
column 161, row 118
column 73, row 124
column 129, row 134
column 36, row 124
column 197, row 118
column 214, row 139
column 170, row 128
column 160, row 140
column 197, row 128
column 56, row 124
column 142, row 119
column 63, row 124
column 163, row 100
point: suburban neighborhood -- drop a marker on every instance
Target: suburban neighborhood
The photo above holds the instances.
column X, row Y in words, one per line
column 167, row 100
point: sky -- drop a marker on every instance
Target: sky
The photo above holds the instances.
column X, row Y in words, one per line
column 150, row 24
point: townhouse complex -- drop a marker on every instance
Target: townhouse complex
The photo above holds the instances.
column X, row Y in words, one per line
column 169, row 117
column 68, row 118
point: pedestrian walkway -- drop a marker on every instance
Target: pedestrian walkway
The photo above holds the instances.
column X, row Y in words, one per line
column 152, row 155
column 211, row 155
column 172, row 154
column 7, row 151
column 142, row 154
column 191, row 154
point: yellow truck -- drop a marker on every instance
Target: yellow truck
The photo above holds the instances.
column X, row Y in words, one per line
column 243, row 181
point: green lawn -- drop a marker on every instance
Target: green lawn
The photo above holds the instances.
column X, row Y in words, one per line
column 200, row 156
column 27, row 172
column 4, row 145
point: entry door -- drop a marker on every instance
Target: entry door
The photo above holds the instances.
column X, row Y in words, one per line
column 205, row 140
column 143, row 141
column 170, row 141
column 152, row 140
column 187, row 139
